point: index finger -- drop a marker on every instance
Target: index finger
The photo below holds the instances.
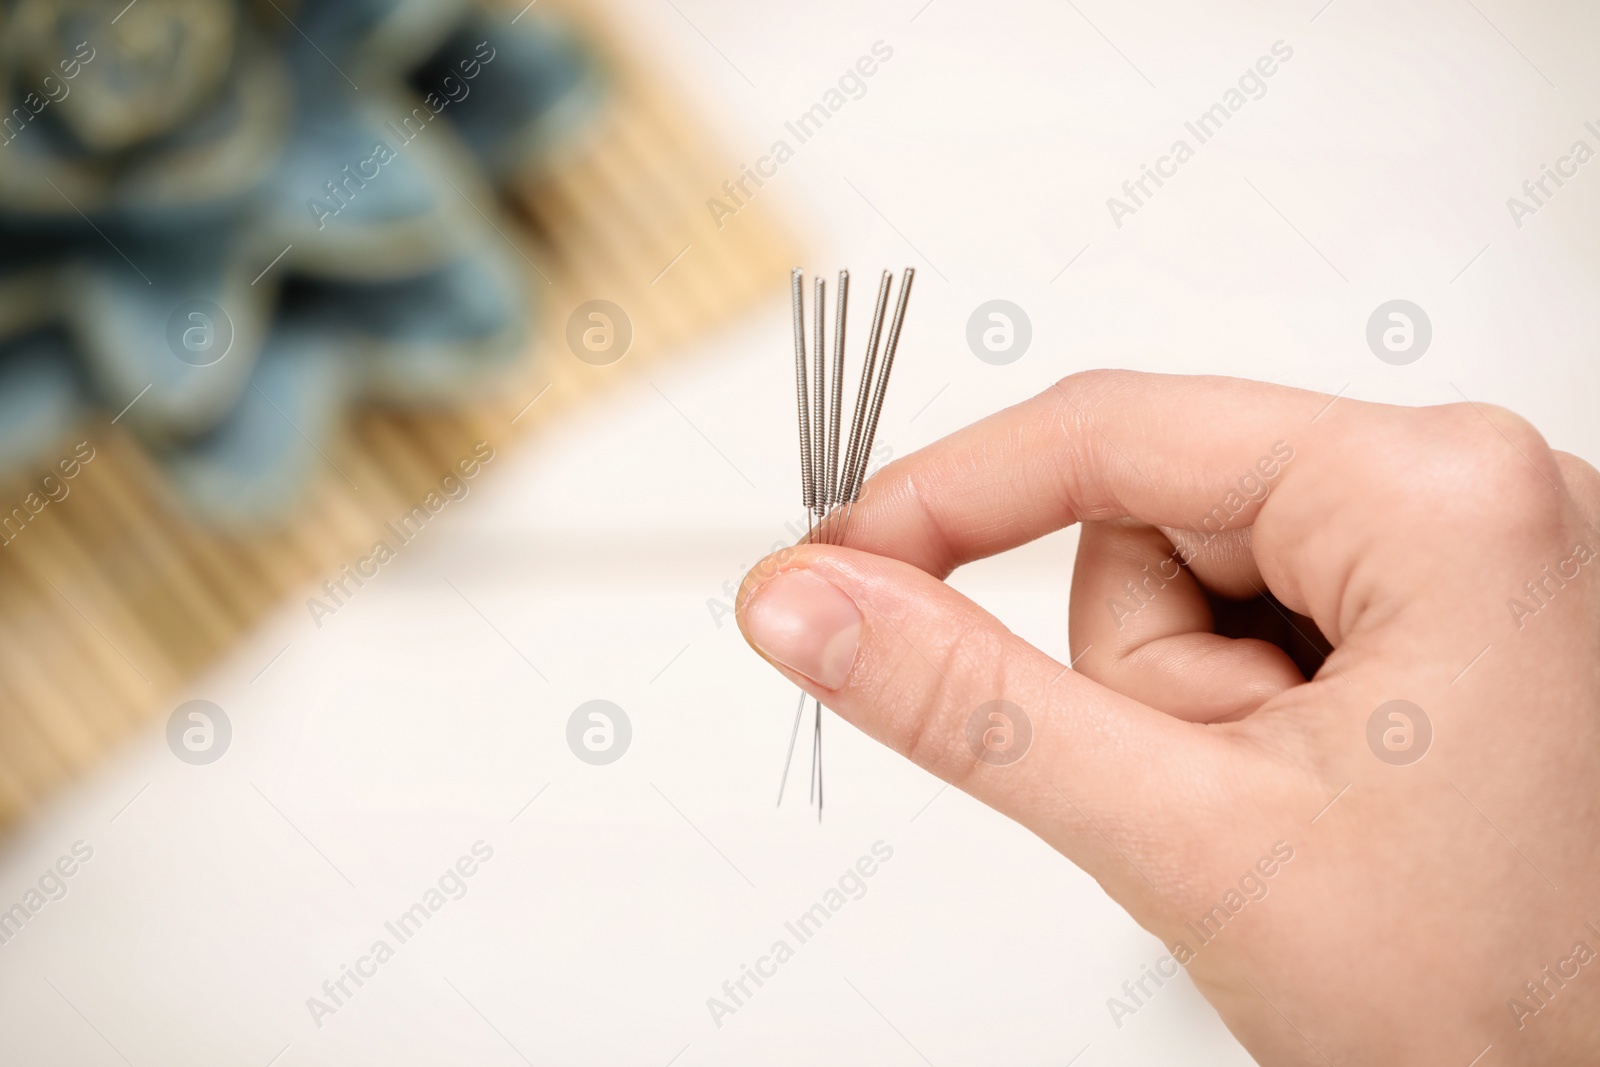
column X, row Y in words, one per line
column 1197, row 453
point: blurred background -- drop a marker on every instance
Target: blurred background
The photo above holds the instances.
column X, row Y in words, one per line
column 383, row 383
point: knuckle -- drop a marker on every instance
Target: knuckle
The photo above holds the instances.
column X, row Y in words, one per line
column 1085, row 382
column 970, row 663
column 1513, row 430
column 1473, row 463
column 1509, row 468
column 1077, row 449
column 1085, row 392
column 933, row 522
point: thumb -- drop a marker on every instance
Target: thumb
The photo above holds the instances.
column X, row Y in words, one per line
column 916, row 665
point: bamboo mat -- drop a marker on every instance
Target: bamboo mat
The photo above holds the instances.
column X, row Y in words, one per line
column 110, row 600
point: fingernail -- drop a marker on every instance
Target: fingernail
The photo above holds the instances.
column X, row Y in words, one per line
column 807, row 624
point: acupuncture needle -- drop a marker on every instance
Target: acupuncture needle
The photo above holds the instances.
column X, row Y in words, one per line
column 836, row 396
column 820, row 467
column 847, row 492
column 819, row 401
column 827, row 483
column 807, row 480
column 794, row 734
column 815, row 490
column 864, row 453
column 834, row 404
column 817, row 747
column 807, row 486
column 891, row 347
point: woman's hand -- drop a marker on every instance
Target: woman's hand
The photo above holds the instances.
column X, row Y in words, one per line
column 1347, row 879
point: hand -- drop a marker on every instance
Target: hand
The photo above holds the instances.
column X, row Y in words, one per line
column 1337, row 898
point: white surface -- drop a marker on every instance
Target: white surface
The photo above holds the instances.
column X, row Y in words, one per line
column 406, row 728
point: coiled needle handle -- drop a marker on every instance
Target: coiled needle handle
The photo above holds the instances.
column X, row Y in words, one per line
column 807, row 483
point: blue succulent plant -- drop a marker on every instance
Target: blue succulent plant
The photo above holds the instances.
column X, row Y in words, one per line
column 223, row 222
